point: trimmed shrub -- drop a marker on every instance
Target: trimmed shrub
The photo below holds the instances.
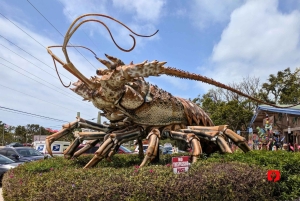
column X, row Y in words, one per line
column 220, row 177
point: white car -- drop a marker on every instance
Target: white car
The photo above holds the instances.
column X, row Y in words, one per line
column 145, row 147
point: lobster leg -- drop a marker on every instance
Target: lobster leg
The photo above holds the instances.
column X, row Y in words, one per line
column 238, row 140
column 112, row 143
column 152, row 150
column 217, row 133
column 193, row 141
column 68, row 153
column 68, row 128
column 95, row 138
column 87, row 147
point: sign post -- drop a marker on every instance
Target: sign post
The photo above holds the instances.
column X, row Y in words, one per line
column 180, row 164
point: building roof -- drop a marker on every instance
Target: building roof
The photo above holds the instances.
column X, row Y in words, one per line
column 271, row 110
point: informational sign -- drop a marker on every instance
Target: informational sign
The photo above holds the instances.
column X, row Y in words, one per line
column 56, row 147
column 180, row 164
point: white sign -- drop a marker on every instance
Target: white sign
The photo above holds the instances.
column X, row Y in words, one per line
column 180, row 164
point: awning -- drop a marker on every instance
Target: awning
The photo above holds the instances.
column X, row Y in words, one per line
column 291, row 110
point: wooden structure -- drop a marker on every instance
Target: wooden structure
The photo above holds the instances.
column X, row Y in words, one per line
column 285, row 122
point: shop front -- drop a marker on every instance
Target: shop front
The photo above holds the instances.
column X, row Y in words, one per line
column 280, row 124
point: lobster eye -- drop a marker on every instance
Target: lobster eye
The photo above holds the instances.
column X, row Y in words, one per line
column 100, row 71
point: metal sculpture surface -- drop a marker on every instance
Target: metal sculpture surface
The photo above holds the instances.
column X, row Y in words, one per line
column 139, row 110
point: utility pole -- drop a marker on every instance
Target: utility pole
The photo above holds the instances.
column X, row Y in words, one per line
column 40, row 133
column 99, row 118
column 3, row 135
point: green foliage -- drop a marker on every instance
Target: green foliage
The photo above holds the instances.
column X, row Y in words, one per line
column 288, row 163
column 233, row 113
column 236, row 176
column 284, row 87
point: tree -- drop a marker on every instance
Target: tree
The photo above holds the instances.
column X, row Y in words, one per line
column 6, row 133
column 233, row 113
column 20, row 133
column 226, row 107
column 31, row 129
column 283, row 88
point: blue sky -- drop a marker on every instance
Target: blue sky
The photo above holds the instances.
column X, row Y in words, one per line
column 225, row 40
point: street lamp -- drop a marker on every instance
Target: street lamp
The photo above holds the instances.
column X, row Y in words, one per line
column 3, row 135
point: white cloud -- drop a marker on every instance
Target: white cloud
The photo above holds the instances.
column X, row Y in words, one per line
column 25, row 94
column 144, row 10
column 204, row 13
column 258, row 41
column 144, row 23
column 75, row 8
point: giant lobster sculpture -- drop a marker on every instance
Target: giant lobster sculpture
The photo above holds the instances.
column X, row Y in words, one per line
column 139, row 110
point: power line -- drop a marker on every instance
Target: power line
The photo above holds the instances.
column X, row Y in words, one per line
column 29, row 61
column 86, row 34
column 33, row 74
column 33, row 56
column 27, row 113
column 5, row 110
column 23, row 31
column 39, row 98
column 34, row 79
column 59, row 32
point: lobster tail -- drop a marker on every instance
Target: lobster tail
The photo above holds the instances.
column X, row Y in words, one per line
column 192, row 76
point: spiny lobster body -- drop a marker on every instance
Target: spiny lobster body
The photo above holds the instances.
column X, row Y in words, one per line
column 144, row 104
column 138, row 110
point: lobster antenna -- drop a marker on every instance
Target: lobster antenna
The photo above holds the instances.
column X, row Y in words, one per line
column 72, row 30
column 192, row 76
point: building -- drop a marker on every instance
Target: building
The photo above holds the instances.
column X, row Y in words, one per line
column 39, row 138
column 284, row 122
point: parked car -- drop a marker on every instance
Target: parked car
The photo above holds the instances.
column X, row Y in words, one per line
column 5, row 165
column 21, row 154
column 145, row 147
column 14, row 144
column 122, row 149
column 162, row 149
column 27, row 145
column 167, row 150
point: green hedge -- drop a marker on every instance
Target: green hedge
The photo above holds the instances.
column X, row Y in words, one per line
column 236, row 176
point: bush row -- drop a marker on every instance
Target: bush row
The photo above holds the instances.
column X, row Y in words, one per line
column 236, row 176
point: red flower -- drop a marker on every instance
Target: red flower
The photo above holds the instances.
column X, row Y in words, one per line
column 151, row 171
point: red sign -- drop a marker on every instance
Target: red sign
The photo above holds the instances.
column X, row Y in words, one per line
column 273, row 175
column 180, row 164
